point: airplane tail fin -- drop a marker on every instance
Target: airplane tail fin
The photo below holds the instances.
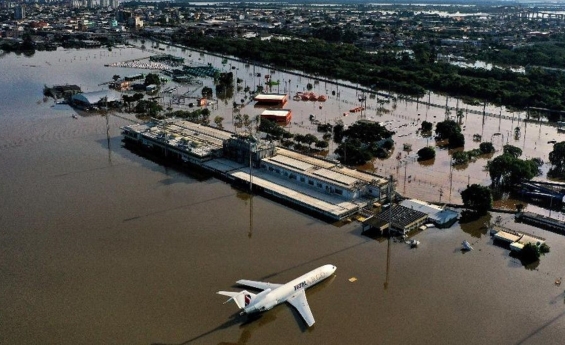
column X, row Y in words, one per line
column 242, row 298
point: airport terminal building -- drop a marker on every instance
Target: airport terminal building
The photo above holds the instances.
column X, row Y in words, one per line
column 318, row 185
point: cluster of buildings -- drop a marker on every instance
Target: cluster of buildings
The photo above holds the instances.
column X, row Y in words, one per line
column 516, row 240
column 320, row 186
column 312, row 184
column 453, row 29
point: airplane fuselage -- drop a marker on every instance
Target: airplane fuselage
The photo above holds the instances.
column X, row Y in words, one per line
column 269, row 298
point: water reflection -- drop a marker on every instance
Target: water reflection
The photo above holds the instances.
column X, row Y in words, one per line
column 477, row 227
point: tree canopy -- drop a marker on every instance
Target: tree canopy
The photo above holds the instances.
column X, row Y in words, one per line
column 512, row 150
column 451, row 131
column 363, row 141
column 478, row 198
column 486, row 147
column 557, row 159
column 426, row 126
column 396, row 72
column 506, row 170
column 426, row 153
column 152, row 78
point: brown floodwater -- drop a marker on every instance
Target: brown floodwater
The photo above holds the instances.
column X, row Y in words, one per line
column 99, row 245
column 433, row 181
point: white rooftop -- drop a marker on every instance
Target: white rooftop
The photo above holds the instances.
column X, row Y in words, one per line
column 275, row 112
column 270, row 96
column 336, row 177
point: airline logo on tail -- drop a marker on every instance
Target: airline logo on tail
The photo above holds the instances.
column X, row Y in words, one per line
column 247, row 300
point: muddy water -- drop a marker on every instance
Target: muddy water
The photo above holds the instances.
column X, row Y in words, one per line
column 434, row 180
column 101, row 246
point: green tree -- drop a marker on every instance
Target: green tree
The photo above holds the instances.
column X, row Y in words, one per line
column 322, row 144
column 478, row 198
column 27, row 43
column 310, row 139
column 273, row 130
column 137, row 96
column 426, row 153
column 557, row 159
column 457, row 140
column 530, row 253
column 127, row 101
column 512, row 150
column 154, row 108
column 152, row 79
column 207, row 92
column 486, row 147
column 460, row 157
column 218, row 121
column 446, row 129
column 507, row 170
column 367, row 132
column 299, row 138
column 338, row 132
column 426, row 126
column 350, row 152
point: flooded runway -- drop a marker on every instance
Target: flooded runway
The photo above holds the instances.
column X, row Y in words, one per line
column 101, row 246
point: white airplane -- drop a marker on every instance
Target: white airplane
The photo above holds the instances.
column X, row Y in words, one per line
column 274, row 294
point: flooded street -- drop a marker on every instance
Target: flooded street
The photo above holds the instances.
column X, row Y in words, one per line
column 99, row 245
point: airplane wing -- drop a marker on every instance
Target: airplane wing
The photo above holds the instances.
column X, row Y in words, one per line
column 299, row 302
column 258, row 285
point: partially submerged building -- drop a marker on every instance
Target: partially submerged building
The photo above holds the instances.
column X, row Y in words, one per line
column 402, row 219
column 442, row 217
column 178, row 140
column 88, row 100
column 283, row 116
column 318, row 185
column 62, row 91
column 516, row 240
column 274, row 99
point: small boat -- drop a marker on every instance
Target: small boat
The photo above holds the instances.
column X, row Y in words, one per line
column 414, row 243
column 466, row 246
column 75, row 117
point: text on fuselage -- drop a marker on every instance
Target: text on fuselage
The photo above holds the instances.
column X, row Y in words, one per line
column 299, row 286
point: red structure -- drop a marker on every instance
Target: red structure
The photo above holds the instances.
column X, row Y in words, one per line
column 278, row 115
column 271, row 98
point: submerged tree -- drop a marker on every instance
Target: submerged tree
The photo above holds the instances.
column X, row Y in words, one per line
column 426, row 153
column 506, row 170
column 557, row 159
column 512, row 150
column 152, row 79
column 426, row 126
column 218, row 121
column 451, row 131
column 478, row 198
column 486, row 147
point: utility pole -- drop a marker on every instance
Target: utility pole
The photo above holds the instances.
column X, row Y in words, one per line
column 389, row 231
column 450, row 178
